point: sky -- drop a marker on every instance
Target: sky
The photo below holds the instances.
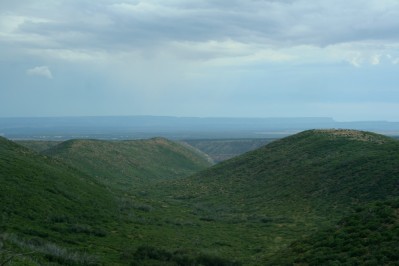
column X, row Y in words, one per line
column 202, row 58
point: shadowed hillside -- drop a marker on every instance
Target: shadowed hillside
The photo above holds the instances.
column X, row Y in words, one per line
column 341, row 166
column 295, row 185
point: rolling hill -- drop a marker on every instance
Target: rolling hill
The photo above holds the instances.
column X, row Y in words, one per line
column 38, row 145
column 339, row 166
column 124, row 163
column 66, row 217
column 261, row 208
column 48, row 207
column 294, row 186
column 56, row 214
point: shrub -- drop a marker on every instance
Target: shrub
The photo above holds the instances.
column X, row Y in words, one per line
column 148, row 255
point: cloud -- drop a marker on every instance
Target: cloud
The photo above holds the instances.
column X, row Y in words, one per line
column 267, row 50
column 40, row 71
column 218, row 32
column 142, row 24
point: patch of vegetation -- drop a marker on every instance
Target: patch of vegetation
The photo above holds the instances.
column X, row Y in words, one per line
column 38, row 145
column 148, row 255
column 16, row 250
column 369, row 236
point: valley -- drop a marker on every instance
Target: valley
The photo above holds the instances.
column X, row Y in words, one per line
column 199, row 133
column 223, row 149
column 160, row 202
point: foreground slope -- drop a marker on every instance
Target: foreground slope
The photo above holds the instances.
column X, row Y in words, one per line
column 45, row 200
column 54, row 214
column 369, row 236
column 129, row 162
column 295, row 185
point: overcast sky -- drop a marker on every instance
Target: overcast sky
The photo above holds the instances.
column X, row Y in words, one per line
column 227, row 58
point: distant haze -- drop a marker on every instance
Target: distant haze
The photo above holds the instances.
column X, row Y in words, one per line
column 291, row 58
column 138, row 127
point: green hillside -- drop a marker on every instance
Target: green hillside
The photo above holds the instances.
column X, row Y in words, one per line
column 38, row 145
column 370, row 236
column 124, row 163
column 294, row 186
column 65, row 218
column 47, row 208
column 252, row 209
column 339, row 166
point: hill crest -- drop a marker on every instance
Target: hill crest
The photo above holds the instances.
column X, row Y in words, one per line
column 299, row 183
column 129, row 161
column 352, row 135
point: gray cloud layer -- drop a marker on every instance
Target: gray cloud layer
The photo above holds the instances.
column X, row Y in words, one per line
column 116, row 24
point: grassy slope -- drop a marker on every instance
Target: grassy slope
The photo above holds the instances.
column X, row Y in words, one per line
column 369, row 236
column 252, row 206
column 44, row 199
column 125, row 163
column 47, row 202
column 133, row 169
column 293, row 186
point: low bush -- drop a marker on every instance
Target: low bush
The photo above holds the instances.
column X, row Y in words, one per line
column 148, row 255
